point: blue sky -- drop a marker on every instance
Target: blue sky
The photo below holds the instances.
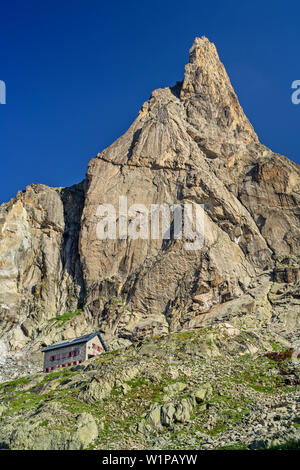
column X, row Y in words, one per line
column 78, row 71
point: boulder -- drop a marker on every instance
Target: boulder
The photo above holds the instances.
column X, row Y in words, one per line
column 87, row 430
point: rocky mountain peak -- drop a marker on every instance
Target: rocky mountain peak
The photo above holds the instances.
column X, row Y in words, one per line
column 200, row 49
column 211, row 104
column 191, row 143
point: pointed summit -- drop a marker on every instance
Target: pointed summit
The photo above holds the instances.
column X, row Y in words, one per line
column 202, row 48
column 203, row 110
column 212, row 105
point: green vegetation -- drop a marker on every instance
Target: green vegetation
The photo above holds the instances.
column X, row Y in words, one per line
column 238, row 446
column 289, row 445
column 9, row 387
column 276, row 347
column 62, row 319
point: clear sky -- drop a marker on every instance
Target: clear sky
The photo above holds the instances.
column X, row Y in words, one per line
column 78, row 71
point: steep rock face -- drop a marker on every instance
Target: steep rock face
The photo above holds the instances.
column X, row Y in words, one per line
column 40, row 267
column 190, row 143
column 271, row 192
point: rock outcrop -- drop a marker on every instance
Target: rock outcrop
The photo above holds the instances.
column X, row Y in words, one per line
column 190, row 143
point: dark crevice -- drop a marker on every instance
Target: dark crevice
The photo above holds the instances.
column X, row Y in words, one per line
column 73, row 204
column 134, row 141
column 176, row 89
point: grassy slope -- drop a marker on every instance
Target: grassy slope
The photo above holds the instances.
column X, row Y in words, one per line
column 119, row 388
